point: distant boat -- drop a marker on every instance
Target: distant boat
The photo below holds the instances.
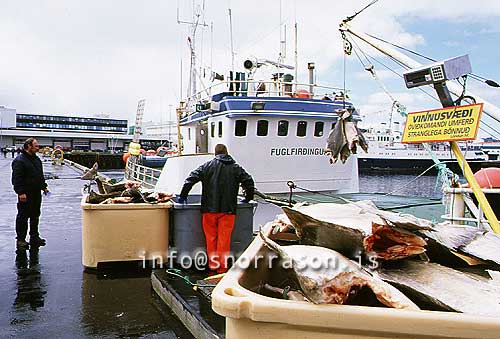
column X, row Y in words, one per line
column 490, row 146
column 387, row 152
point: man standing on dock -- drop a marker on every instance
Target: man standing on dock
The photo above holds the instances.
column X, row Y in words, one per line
column 220, row 180
column 28, row 181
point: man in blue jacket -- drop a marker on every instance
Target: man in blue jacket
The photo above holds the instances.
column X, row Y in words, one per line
column 28, row 182
column 220, row 180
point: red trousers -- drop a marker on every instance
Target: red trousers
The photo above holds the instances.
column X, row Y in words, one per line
column 218, row 228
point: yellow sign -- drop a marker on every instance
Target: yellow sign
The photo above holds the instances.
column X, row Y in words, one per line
column 444, row 124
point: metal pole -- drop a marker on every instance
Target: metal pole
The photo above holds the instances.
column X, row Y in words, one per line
column 179, row 148
column 447, row 101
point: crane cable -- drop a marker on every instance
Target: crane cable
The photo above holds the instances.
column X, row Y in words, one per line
column 369, row 58
column 445, row 175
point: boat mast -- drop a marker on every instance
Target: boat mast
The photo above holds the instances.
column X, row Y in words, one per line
column 192, row 46
column 231, row 36
column 488, row 108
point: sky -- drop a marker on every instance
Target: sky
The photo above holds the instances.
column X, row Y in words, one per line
column 91, row 57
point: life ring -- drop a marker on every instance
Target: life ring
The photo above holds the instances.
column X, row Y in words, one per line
column 125, row 157
column 57, row 154
column 302, row 93
column 46, row 151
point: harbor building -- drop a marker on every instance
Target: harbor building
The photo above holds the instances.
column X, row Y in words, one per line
column 71, row 132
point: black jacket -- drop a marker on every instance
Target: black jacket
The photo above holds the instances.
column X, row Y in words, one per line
column 27, row 174
column 220, row 178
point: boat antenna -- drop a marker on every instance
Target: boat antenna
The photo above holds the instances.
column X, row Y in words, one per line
column 192, row 46
column 296, row 43
column 211, row 46
column 231, row 36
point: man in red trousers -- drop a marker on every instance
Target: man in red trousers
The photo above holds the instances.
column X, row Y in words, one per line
column 220, row 180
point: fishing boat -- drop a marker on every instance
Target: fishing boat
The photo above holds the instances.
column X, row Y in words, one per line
column 273, row 125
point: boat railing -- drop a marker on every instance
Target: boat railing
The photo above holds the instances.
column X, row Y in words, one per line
column 254, row 88
column 147, row 176
column 457, row 199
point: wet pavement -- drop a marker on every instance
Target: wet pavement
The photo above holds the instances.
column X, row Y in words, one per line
column 47, row 293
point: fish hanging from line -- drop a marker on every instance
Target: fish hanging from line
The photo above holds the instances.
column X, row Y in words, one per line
column 344, row 138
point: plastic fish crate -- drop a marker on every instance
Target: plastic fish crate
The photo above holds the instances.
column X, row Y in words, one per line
column 124, row 232
column 187, row 237
column 252, row 315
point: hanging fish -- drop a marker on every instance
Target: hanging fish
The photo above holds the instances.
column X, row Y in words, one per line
column 327, row 277
column 344, row 138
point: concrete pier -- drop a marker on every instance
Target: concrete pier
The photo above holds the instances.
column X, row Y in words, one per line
column 47, row 293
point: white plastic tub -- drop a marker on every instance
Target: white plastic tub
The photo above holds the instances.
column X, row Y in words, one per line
column 251, row 315
column 124, row 232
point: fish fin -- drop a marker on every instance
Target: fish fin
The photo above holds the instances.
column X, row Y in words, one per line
column 272, row 245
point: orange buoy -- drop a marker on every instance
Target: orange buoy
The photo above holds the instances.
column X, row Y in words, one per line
column 302, row 93
column 125, row 157
column 488, row 177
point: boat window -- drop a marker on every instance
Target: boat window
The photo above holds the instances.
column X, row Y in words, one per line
column 301, row 128
column 282, row 128
column 333, row 125
column 189, row 133
column 212, row 130
column 240, row 128
column 318, row 128
column 220, row 129
column 262, row 127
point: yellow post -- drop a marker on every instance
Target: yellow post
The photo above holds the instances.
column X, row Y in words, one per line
column 179, row 146
column 481, row 198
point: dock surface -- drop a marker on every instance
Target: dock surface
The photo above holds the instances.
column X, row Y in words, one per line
column 49, row 294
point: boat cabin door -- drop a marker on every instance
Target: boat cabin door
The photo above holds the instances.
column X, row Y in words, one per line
column 202, row 138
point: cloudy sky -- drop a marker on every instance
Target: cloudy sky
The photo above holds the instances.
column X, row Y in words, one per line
column 87, row 57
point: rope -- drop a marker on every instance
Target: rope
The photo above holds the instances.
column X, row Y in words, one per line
column 472, row 75
column 351, row 201
column 349, row 18
column 177, row 273
column 443, row 171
